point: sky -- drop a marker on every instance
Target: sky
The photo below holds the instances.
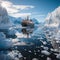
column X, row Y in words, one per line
column 33, row 8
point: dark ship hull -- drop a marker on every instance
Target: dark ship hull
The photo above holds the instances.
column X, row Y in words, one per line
column 28, row 26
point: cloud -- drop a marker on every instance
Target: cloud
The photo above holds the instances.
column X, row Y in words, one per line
column 20, row 14
column 21, row 7
column 14, row 10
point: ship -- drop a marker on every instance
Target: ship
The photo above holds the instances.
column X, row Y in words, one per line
column 28, row 25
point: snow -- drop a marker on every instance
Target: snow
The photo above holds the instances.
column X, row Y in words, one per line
column 30, row 51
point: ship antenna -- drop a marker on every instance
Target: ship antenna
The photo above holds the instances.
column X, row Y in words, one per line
column 27, row 17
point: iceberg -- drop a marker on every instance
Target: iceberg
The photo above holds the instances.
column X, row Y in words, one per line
column 5, row 43
column 4, row 19
column 52, row 25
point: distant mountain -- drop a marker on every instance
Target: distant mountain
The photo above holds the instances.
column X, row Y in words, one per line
column 15, row 20
column 19, row 20
column 35, row 21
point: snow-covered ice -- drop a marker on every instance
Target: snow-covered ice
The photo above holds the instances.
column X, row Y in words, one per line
column 5, row 43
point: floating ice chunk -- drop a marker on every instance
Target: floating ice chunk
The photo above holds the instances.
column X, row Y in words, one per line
column 48, row 58
column 2, row 35
column 38, row 50
column 46, row 48
column 45, row 52
column 30, row 51
column 11, row 32
column 15, row 55
column 42, row 46
column 52, row 49
column 15, row 40
column 6, row 43
column 44, row 42
column 34, row 59
column 20, row 43
column 58, row 56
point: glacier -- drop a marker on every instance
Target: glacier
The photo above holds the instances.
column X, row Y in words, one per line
column 4, row 19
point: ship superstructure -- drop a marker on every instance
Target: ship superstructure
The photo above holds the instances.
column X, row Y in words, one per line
column 28, row 25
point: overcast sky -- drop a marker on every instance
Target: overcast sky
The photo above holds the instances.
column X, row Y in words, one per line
column 34, row 8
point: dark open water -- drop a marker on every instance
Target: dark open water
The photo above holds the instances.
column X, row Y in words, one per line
column 33, row 47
